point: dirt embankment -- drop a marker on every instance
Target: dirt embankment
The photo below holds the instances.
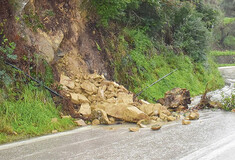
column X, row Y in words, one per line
column 57, row 31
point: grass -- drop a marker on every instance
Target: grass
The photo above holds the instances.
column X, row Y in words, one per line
column 224, row 65
column 137, row 64
column 229, row 103
column 222, row 53
column 29, row 114
column 229, row 20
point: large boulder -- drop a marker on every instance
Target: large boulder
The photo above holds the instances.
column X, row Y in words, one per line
column 133, row 114
column 85, row 109
column 125, row 97
column 150, row 109
column 114, row 110
column 175, row 98
column 122, row 111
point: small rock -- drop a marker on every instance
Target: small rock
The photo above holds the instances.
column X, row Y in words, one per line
column 95, row 122
column 233, row 110
column 89, row 87
column 193, row 116
column 54, row 120
column 63, row 117
column 142, row 125
column 66, row 81
column 156, row 127
column 80, row 122
column 78, row 98
column 171, row 118
column 185, row 122
column 134, row 129
column 54, row 131
column 112, row 120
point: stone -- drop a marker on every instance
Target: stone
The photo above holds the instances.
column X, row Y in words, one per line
column 134, row 129
column 80, row 122
column 78, row 98
column 185, row 122
column 144, row 102
column 124, row 98
column 64, row 117
column 85, row 109
column 54, row 131
column 111, row 88
column 233, row 110
column 133, row 114
column 193, row 116
column 149, row 109
column 101, row 115
column 112, row 120
column 101, row 93
column 95, row 122
column 142, row 125
column 144, row 121
column 113, row 110
column 89, row 87
column 171, row 118
column 66, row 81
column 156, row 127
column 54, row 120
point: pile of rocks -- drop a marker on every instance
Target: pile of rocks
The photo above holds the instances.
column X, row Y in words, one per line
column 106, row 102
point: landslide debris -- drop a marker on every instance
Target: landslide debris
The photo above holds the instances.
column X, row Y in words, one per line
column 100, row 101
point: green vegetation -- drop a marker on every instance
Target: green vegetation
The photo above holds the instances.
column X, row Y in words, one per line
column 152, row 38
column 222, row 53
column 229, row 42
column 228, row 20
column 33, row 21
column 25, row 109
column 228, row 103
column 28, row 112
column 137, row 65
column 224, row 65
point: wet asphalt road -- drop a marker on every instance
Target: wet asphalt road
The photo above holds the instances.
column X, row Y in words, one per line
column 212, row 137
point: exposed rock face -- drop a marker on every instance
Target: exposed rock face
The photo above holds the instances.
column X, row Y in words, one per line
column 175, row 98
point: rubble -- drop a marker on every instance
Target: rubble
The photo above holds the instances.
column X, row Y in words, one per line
column 156, row 127
column 100, row 101
column 80, row 122
column 185, row 122
column 134, row 129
